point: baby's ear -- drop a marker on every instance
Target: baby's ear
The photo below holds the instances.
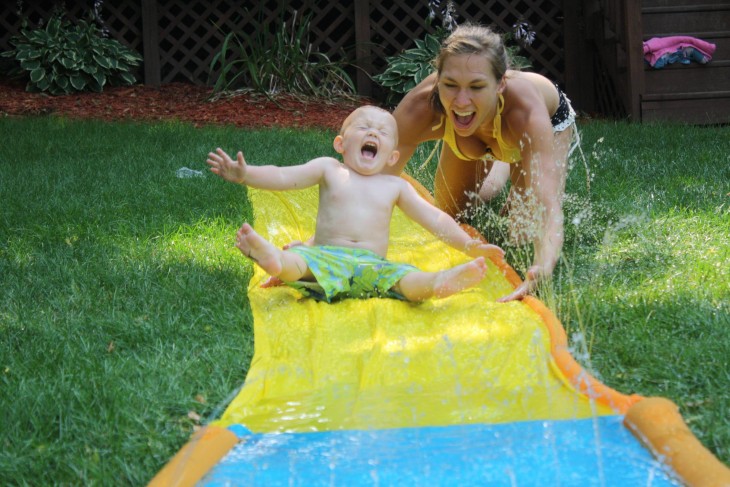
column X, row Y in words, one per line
column 337, row 144
column 394, row 156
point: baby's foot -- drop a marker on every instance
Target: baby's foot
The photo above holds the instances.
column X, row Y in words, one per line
column 256, row 248
column 459, row 278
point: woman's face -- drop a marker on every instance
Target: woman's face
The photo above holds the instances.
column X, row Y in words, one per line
column 468, row 91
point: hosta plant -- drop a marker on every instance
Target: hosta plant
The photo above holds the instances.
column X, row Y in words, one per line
column 410, row 67
column 62, row 57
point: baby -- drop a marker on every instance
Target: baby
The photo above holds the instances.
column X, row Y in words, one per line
column 356, row 201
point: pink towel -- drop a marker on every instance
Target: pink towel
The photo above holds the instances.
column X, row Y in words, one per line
column 656, row 47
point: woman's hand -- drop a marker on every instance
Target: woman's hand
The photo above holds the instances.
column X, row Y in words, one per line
column 533, row 276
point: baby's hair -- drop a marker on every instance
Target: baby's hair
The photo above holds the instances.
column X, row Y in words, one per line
column 472, row 38
column 352, row 114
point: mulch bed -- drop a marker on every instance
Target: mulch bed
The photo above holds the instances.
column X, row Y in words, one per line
column 178, row 101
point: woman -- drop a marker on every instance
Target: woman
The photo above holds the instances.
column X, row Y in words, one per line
column 486, row 113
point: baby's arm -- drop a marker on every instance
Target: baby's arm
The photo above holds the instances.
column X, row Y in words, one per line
column 268, row 177
column 221, row 164
column 443, row 226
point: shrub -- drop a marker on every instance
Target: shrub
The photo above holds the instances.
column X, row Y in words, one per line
column 61, row 57
column 282, row 62
column 407, row 69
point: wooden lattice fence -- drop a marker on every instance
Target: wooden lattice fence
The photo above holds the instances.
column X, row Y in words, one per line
column 179, row 38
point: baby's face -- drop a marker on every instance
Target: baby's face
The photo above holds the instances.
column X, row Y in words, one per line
column 368, row 140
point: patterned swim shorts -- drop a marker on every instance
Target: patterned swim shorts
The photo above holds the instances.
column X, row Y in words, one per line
column 344, row 272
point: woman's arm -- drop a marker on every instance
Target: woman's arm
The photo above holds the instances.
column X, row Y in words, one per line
column 545, row 178
column 415, row 119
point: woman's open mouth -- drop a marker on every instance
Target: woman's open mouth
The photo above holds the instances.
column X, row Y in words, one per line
column 462, row 120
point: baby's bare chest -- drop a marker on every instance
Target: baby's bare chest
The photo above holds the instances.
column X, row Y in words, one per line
column 360, row 197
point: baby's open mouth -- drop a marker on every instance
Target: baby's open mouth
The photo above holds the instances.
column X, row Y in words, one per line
column 369, row 150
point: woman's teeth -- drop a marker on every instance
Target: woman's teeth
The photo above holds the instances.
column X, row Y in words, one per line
column 463, row 118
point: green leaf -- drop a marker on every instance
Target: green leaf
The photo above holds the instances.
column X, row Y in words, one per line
column 93, row 85
column 30, row 64
column 53, row 26
column 54, row 89
column 423, row 72
column 127, row 78
column 387, row 76
column 43, row 84
column 38, row 37
column 113, row 50
column 67, row 62
column 432, row 44
column 102, row 61
column 100, row 78
column 417, row 54
column 78, row 81
column 388, row 83
column 33, row 54
column 401, row 68
column 37, row 74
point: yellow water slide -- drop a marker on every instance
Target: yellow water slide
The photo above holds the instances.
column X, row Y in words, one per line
column 458, row 391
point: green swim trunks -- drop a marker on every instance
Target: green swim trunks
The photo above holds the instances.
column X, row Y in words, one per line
column 343, row 272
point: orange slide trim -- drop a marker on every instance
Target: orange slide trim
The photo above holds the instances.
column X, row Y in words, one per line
column 206, row 447
column 656, row 422
column 573, row 371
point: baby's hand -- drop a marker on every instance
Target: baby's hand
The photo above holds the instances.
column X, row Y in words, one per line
column 221, row 164
column 483, row 249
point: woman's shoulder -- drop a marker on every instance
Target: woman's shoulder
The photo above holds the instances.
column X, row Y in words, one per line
column 526, row 89
column 416, row 109
column 527, row 95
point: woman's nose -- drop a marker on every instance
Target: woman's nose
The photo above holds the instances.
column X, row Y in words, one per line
column 462, row 97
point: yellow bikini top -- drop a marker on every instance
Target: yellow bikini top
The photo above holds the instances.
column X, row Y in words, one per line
column 509, row 153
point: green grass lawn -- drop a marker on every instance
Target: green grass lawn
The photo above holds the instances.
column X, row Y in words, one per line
column 124, row 320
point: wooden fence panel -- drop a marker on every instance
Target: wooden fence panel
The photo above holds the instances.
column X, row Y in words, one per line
column 179, row 38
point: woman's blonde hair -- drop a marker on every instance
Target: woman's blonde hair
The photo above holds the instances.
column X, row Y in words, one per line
column 472, row 39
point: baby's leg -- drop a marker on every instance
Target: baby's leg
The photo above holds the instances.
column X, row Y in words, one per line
column 419, row 286
column 286, row 266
